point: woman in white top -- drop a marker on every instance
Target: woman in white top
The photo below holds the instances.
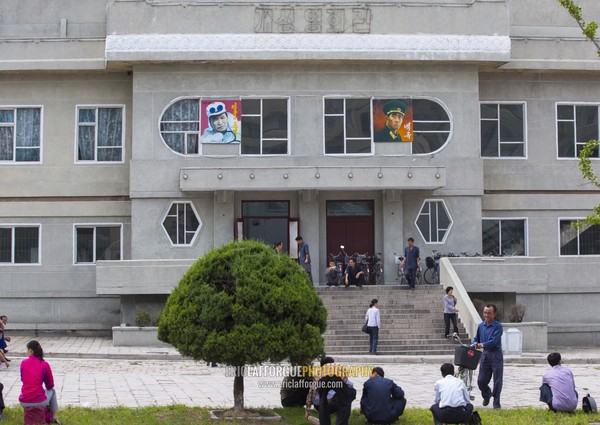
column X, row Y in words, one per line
column 373, row 325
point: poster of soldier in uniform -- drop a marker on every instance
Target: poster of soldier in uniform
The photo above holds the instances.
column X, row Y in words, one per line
column 392, row 120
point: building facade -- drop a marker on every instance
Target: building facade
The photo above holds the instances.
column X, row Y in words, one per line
column 116, row 173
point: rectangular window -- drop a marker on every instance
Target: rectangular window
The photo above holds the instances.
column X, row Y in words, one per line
column 264, row 126
column 20, row 244
column 20, row 134
column 503, row 130
column 97, row 242
column 267, row 221
column 582, row 241
column 575, row 126
column 504, row 237
column 100, row 133
column 347, row 124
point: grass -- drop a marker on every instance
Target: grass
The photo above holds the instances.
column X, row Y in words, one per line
column 181, row 415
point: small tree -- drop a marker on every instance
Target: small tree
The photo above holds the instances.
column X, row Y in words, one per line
column 585, row 164
column 241, row 304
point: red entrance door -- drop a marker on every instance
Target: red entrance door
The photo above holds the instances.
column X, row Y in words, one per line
column 355, row 230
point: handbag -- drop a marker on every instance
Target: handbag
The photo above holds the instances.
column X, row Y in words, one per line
column 475, row 418
column 588, row 404
column 365, row 328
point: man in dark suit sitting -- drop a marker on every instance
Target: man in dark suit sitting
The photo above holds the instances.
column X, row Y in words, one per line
column 382, row 400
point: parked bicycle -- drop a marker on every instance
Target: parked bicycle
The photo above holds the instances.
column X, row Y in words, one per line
column 432, row 272
column 466, row 357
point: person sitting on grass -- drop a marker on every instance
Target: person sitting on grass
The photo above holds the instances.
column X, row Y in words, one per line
column 558, row 386
column 382, row 401
column 452, row 403
column 35, row 374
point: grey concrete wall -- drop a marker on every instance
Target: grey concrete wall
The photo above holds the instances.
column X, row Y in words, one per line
column 479, row 17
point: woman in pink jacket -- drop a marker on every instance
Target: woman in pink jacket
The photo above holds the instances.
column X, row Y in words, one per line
column 35, row 372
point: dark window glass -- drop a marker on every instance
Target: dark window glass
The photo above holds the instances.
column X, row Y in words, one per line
column 265, row 208
column 251, row 135
column 489, row 110
column 568, row 238
column 589, row 241
column 358, row 118
column 429, row 137
column 275, row 118
column 349, row 208
column 251, row 106
column 108, row 243
column 85, row 245
column 565, row 112
column 262, row 121
column 490, row 237
column 334, row 134
column 586, row 118
column 566, row 136
column 27, row 244
column 428, row 110
column 5, row 245
column 489, row 138
column 511, row 123
column 513, row 237
column 334, row 106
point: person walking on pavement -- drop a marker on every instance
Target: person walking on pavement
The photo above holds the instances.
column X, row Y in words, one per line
column 488, row 338
column 411, row 263
column 373, row 325
column 450, row 311
column 304, row 257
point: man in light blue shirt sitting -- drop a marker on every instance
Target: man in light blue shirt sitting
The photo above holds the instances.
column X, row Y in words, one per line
column 452, row 404
column 558, row 386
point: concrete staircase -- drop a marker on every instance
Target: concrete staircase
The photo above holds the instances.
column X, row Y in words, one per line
column 412, row 322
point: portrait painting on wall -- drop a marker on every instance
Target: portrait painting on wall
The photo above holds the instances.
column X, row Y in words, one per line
column 392, row 120
column 221, row 121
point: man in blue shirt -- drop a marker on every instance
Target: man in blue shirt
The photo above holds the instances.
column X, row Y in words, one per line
column 411, row 263
column 488, row 337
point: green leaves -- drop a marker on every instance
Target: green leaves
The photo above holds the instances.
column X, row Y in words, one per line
column 241, row 304
column 588, row 29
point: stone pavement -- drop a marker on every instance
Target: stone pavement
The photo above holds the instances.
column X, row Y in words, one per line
column 90, row 372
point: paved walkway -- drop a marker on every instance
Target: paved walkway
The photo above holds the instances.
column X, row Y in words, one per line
column 90, row 372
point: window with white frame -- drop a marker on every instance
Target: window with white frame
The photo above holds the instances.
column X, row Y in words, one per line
column 348, row 126
column 20, row 134
column 19, row 244
column 584, row 240
column 182, row 223
column 504, row 237
column 431, row 126
column 97, row 242
column 100, row 133
column 502, row 130
column 265, row 126
column 575, row 126
column 434, row 221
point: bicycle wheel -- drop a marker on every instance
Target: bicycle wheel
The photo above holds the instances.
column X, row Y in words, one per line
column 379, row 274
column 431, row 276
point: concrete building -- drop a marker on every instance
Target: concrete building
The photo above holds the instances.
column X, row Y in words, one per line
column 112, row 183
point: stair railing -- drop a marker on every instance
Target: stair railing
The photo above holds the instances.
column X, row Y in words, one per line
column 467, row 313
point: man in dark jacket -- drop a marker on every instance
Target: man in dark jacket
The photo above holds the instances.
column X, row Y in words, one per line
column 382, row 400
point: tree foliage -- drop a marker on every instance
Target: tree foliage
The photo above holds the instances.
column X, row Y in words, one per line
column 591, row 147
column 241, row 304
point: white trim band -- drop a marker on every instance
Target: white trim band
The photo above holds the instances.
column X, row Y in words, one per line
column 170, row 47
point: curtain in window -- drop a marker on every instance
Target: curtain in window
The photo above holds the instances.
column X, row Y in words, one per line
column 110, row 130
column 86, row 140
column 28, row 134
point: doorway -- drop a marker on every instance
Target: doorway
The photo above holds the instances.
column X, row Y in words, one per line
column 350, row 223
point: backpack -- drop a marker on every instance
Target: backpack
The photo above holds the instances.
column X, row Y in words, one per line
column 475, row 418
column 588, row 404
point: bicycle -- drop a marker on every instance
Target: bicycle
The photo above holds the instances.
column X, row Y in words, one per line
column 466, row 357
column 402, row 281
column 432, row 273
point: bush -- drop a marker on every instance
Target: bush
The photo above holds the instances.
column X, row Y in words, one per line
column 241, row 304
column 516, row 313
column 142, row 318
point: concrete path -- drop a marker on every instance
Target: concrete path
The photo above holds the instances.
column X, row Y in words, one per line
column 91, row 372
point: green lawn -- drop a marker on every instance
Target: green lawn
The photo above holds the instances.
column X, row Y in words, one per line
column 181, row 415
